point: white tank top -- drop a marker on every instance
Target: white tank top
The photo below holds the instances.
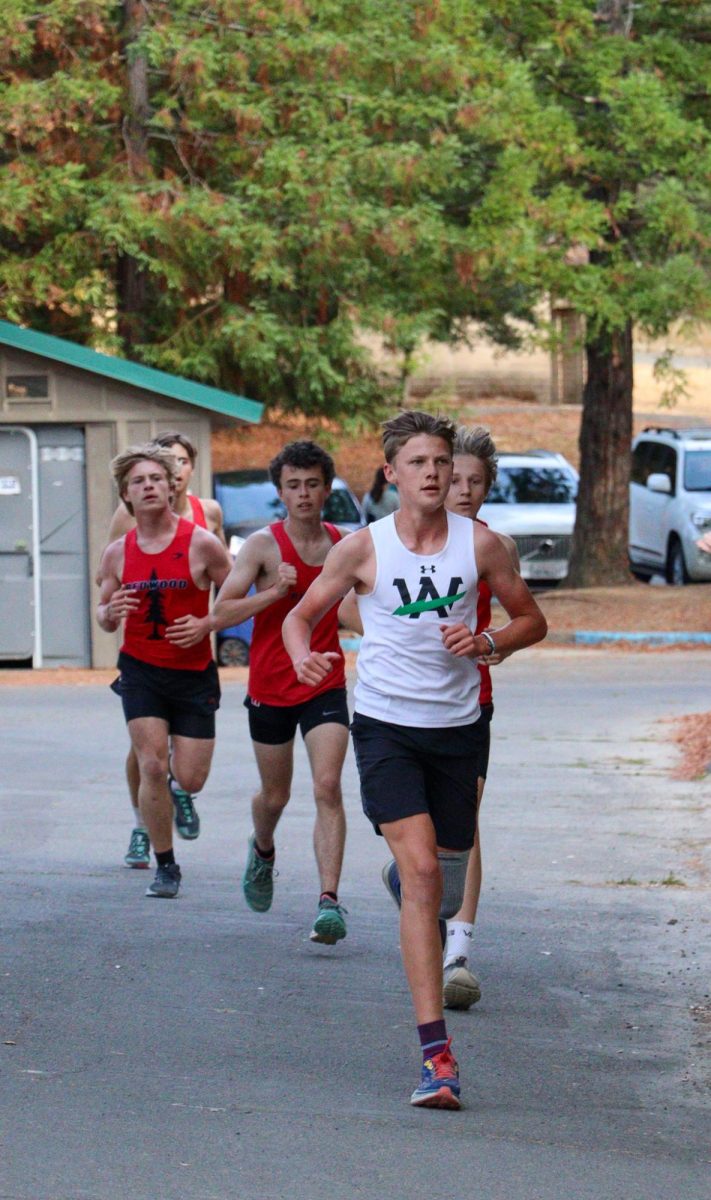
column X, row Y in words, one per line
column 405, row 675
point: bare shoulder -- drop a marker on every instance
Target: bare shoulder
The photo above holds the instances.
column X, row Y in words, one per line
column 112, row 558
column 212, row 509
column 121, row 522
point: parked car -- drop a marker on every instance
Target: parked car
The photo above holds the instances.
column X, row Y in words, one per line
column 670, row 503
column 533, row 500
column 250, row 501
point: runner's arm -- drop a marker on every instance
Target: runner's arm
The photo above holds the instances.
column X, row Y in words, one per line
column 527, row 625
column 121, row 522
column 233, row 605
column 341, row 571
column 213, row 515
column 115, row 601
column 349, row 613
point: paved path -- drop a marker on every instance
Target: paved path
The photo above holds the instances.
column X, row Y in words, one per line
column 196, row 1050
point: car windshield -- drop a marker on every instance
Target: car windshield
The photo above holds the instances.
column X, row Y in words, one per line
column 258, row 504
column 697, row 471
column 533, row 485
column 340, row 509
column 250, row 503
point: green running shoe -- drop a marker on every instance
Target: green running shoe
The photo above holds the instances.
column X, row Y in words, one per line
column 329, row 926
column 258, row 880
column 139, row 850
column 187, row 821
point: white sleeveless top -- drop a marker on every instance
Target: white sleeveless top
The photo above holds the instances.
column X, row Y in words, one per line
column 405, row 675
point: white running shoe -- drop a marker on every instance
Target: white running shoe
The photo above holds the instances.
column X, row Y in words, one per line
column 461, row 988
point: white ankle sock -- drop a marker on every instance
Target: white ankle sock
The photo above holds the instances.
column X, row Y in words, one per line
column 138, row 820
column 460, row 935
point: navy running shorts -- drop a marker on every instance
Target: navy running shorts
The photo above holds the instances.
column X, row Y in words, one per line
column 408, row 770
column 186, row 700
column 274, row 725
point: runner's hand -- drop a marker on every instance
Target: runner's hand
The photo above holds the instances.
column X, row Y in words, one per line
column 286, row 579
column 188, row 631
column 459, row 640
column 492, row 660
column 123, row 602
column 313, row 669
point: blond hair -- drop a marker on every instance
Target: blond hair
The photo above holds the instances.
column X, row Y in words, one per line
column 123, row 463
column 479, row 443
column 408, row 424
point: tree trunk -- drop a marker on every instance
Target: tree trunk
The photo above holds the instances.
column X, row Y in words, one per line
column 131, row 278
column 599, row 550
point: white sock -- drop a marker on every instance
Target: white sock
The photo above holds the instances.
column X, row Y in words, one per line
column 459, row 941
column 138, row 820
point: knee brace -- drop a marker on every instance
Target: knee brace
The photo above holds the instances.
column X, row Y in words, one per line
column 453, row 866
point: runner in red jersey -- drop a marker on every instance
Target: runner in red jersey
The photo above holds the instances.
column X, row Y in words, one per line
column 473, row 474
column 208, row 515
column 157, row 580
column 280, row 562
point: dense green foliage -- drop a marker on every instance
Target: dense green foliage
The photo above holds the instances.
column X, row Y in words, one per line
column 278, row 176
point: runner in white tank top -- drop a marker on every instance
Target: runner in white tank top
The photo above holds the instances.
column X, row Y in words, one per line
column 418, row 766
column 405, row 673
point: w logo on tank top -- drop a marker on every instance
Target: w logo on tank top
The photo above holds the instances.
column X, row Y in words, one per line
column 428, row 598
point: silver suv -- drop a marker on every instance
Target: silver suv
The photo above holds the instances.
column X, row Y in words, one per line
column 533, row 500
column 670, row 503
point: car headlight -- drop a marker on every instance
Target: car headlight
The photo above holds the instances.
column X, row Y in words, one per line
column 702, row 520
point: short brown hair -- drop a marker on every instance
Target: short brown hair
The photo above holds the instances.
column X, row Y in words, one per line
column 126, row 461
column 171, row 439
column 408, row 424
column 479, row 443
column 302, row 456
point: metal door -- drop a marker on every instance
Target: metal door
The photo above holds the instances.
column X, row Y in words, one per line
column 19, row 534
column 64, row 566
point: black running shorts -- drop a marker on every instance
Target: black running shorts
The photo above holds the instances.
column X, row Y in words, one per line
column 487, row 712
column 186, row 700
column 405, row 771
column 274, row 725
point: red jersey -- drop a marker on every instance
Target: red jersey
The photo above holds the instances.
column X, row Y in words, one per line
column 272, row 679
column 483, row 621
column 167, row 591
column 198, row 511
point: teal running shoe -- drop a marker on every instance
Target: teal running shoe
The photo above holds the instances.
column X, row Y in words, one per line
column 138, row 854
column 439, row 1086
column 187, row 821
column 329, row 926
column 258, row 880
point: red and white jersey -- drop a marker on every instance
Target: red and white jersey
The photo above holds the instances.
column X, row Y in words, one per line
column 167, row 591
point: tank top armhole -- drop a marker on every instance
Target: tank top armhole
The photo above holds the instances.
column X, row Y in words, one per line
column 366, row 595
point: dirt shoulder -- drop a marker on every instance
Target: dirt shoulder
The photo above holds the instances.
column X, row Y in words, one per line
column 638, row 607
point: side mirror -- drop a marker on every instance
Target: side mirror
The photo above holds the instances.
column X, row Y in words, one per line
column 659, row 483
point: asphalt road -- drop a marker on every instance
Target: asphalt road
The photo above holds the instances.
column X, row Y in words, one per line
column 193, row 1049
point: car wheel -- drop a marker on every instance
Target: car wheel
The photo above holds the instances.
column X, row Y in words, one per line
column 677, row 574
column 232, row 652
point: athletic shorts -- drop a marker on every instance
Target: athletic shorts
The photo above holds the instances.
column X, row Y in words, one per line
column 487, row 712
column 405, row 771
column 274, row 725
column 186, row 700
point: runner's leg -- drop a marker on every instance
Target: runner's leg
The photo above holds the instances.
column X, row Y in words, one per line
column 326, row 746
column 149, row 738
column 275, row 765
column 190, row 761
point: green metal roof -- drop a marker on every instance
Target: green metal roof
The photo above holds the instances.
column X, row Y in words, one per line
column 133, row 373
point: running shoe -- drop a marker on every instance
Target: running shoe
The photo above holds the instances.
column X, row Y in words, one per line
column 166, row 883
column 187, row 821
column 439, row 1086
column 258, row 880
column 329, row 926
column 391, row 878
column 139, row 850
column 461, row 988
